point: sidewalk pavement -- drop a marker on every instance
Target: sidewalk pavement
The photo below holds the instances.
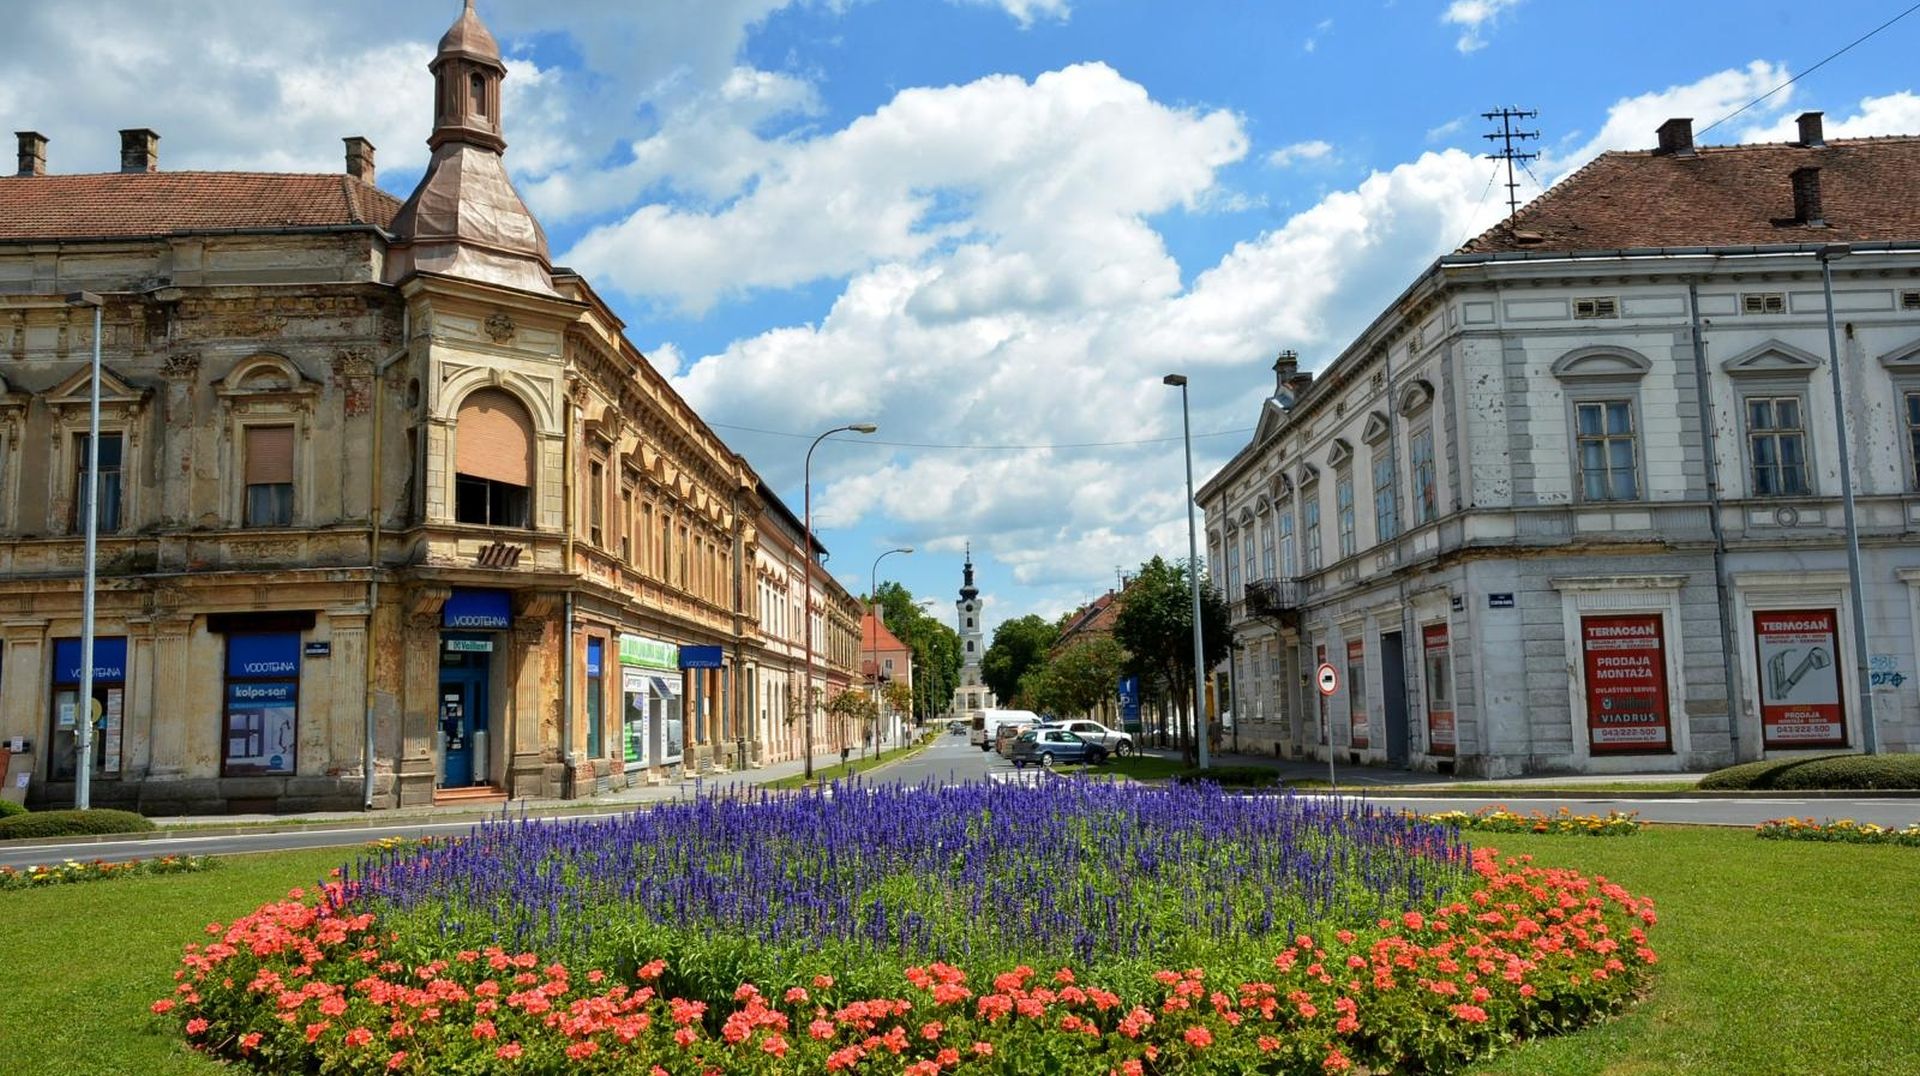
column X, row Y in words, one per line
column 688, row 787
column 1390, row 776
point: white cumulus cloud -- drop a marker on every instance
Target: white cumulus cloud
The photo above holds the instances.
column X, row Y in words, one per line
column 1475, row 19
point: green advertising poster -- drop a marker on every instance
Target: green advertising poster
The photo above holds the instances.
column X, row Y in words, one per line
column 649, row 653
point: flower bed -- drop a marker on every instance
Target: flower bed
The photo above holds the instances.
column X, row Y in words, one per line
column 1844, row 831
column 1407, row 958
column 1562, row 822
column 97, row 870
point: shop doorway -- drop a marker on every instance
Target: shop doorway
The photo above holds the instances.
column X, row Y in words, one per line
column 465, row 669
column 1393, row 682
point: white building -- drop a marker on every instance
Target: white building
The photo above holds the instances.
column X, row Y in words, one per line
column 1573, row 501
column 972, row 693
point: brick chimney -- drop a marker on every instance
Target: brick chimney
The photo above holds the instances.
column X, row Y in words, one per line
column 360, row 159
column 33, row 153
column 139, row 150
column 1806, row 197
column 1812, row 132
column 1284, row 368
column 1676, row 137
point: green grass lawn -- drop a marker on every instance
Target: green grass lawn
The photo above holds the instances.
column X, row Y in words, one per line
column 1776, row 957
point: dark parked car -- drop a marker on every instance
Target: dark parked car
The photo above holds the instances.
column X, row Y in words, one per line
column 957, row 728
column 1050, row 746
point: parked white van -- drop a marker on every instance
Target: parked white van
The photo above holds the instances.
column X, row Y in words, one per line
column 986, row 725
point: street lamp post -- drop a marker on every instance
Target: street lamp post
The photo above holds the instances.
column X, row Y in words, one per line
column 1193, row 571
column 873, row 610
column 1827, row 254
column 83, row 706
column 806, row 605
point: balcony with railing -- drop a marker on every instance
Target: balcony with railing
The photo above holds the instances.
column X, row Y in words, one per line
column 1271, row 599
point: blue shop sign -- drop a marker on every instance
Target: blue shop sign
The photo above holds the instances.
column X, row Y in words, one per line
column 478, row 610
column 109, row 660
column 263, row 657
column 700, row 657
column 593, row 657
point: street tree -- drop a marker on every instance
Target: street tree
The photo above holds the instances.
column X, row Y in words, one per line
column 935, row 646
column 1083, row 675
column 1155, row 625
column 1018, row 645
column 855, row 707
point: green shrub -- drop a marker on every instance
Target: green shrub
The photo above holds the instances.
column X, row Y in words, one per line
column 8, row 809
column 1232, row 776
column 71, row 824
column 1820, row 772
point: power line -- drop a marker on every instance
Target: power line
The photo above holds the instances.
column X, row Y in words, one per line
column 994, row 448
column 1831, row 56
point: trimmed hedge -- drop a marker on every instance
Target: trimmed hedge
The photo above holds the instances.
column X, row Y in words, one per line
column 1231, row 776
column 1819, row 772
column 8, row 809
column 72, row 824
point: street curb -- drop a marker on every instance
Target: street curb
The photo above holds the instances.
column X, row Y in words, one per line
column 1574, row 793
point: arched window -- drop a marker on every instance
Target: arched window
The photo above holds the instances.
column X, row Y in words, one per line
column 493, row 460
column 477, row 93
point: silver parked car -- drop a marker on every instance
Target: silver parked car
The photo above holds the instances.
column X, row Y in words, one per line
column 1118, row 744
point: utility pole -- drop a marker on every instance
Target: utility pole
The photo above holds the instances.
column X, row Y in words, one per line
column 1507, row 136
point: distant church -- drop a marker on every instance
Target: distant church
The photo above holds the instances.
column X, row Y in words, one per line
column 972, row 693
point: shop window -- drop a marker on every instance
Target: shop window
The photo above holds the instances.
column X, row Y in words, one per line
column 493, row 464
column 111, row 446
column 1776, row 446
column 269, row 476
column 1358, row 726
column 262, row 704
column 106, row 709
column 596, row 656
column 1605, row 450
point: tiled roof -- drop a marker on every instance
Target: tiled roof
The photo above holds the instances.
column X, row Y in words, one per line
column 1095, row 618
column 129, row 205
column 874, row 635
column 1721, row 196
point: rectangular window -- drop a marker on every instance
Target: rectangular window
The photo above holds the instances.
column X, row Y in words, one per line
column 1605, row 449
column 1777, row 446
column 1441, row 736
column 1310, row 523
column 596, row 656
column 1386, row 500
column 597, row 502
column 1233, row 568
column 1343, row 514
column 110, row 456
column 489, row 503
column 680, row 559
column 665, row 549
column 646, row 536
column 262, row 704
column 1287, row 563
column 1913, row 435
column 1267, row 564
column 269, row 474
column 1252, row 557
column 1426, row 493
column 626, row 525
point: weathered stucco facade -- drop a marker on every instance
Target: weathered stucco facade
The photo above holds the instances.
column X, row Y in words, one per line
column 1560, row 510
column 391, row 510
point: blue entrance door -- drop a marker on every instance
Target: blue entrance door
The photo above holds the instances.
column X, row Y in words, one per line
column 463, row 711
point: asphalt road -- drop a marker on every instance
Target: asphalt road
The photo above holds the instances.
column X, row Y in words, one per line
column 952, row 760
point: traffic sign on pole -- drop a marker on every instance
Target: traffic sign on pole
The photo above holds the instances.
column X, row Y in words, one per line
column 1328, row 678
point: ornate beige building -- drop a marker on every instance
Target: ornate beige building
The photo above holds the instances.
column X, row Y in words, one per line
column 391, row 510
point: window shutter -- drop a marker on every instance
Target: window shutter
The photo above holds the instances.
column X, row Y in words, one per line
column 495, row 439
column 269, row 455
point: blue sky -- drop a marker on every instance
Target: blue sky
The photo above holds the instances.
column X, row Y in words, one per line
column 975, row 222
